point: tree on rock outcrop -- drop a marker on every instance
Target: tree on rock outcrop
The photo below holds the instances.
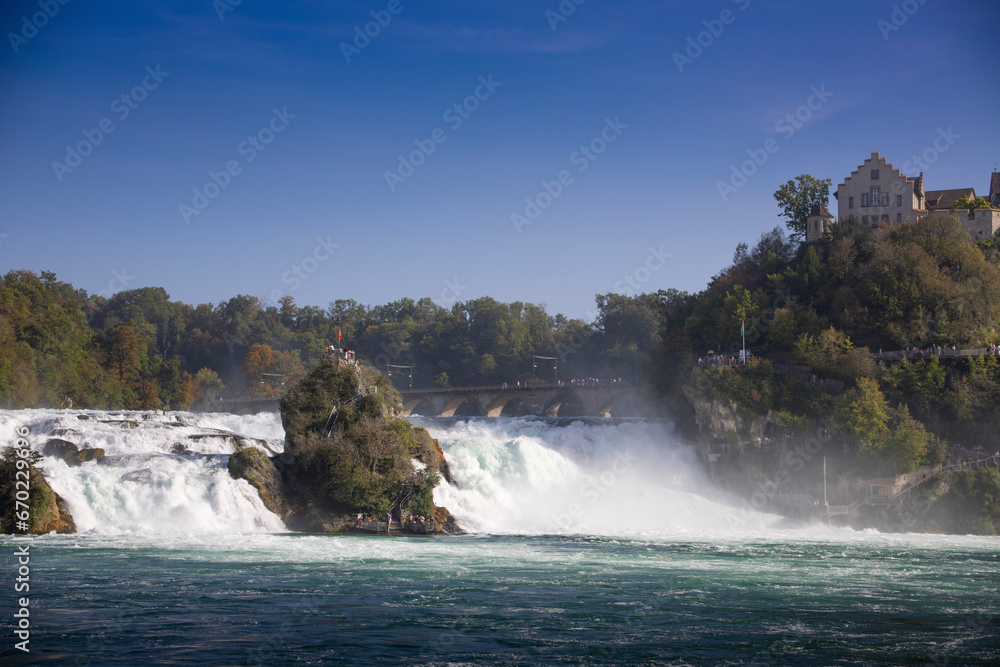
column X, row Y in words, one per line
column 349, row 451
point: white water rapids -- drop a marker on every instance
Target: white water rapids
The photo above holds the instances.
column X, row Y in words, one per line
column 167, row 473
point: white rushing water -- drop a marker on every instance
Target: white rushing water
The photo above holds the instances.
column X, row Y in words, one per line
column 529, row 476
column 161, row 473
column 520, row 476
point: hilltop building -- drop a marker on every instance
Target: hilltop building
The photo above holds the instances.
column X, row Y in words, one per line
column 876, row 192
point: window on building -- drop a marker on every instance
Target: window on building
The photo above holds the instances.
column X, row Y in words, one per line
column 899, row 200
column 864, row 201
column 885, row 217
column 875, row 195
column 874, row 174
column 899, row 217
column 864, row 219
column 850, row 202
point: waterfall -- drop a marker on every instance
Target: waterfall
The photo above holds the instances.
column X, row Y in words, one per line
column 161, row 473
column 541, row 476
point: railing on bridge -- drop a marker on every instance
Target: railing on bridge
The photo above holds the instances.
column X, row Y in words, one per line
column 515, row 387
column 482, row 387
column 897, row 496
column 927, row 353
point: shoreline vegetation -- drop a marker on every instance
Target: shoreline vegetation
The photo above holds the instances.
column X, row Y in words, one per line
column 823, row 382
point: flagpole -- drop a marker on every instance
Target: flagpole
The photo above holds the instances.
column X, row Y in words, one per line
column 825, row 504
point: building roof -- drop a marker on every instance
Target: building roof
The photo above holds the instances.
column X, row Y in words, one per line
column 941, row 200
column 876, row 157
column 821, row 211
column 995, row 188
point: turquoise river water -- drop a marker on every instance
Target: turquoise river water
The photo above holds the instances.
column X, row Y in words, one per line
column 587, row 544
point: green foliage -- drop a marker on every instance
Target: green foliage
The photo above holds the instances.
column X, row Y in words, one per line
column 964, row 203
column 921, row 383
column 58, row 343
column 46, row 513
column 351, row 453
column 971, row 503
column 796, row 199
column 829, row 304
column 865, row 413
column 909, row 444
column 831, row 354
column 758, row 388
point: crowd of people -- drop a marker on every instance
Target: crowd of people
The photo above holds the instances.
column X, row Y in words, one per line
column 415, row 520
column 334, row 351
column 585, row 382
column 718, row 360
column 940, row 351
column 374, row 522
column 370, row 521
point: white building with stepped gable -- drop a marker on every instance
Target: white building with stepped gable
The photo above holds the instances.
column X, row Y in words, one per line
column 878, row 193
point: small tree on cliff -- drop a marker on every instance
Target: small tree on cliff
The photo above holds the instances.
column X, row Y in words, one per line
column 970, row 205
column 797, row 198
column 865, row 412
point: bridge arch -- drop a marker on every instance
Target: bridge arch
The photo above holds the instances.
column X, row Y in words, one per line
column 419, row 406
column 565, row 403
column 508, row 405
column 620, row 405
column 461, row 406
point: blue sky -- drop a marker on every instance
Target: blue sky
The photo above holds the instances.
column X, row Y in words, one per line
column 202, row 90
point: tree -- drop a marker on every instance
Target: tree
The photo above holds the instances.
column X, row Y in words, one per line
column 797, row 198
column 970, row 205
column 126, row 351
column 209, row 388
column 152, row 305
column 866, row 413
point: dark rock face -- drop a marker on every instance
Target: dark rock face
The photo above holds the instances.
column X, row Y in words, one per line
column 86, row 454
column 70, row 453
column 254, row 466
column 348, row 451
column 431, row 453
column 60, row 449
column 48, row 511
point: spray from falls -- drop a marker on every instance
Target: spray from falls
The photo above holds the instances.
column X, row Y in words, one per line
column 535, row 476
column 160, row 473
column 168, row 474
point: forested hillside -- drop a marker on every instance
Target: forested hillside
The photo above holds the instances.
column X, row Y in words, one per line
column 827, row 310
column 140, row 349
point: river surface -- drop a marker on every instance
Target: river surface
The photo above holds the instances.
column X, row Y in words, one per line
column 588, row 544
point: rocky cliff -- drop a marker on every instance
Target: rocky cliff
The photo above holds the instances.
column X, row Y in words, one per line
column 347, row 451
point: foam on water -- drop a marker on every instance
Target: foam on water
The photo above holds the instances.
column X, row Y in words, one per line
column 513, row 476
column 161, row 473
column 532, row 476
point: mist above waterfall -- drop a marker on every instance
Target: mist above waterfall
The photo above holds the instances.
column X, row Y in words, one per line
column 537, row 476
column 168, row 473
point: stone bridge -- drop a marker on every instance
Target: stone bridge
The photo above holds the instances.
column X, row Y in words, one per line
column 550, row 400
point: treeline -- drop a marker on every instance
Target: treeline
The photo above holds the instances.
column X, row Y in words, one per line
column 140, row 350
column 823, row 308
